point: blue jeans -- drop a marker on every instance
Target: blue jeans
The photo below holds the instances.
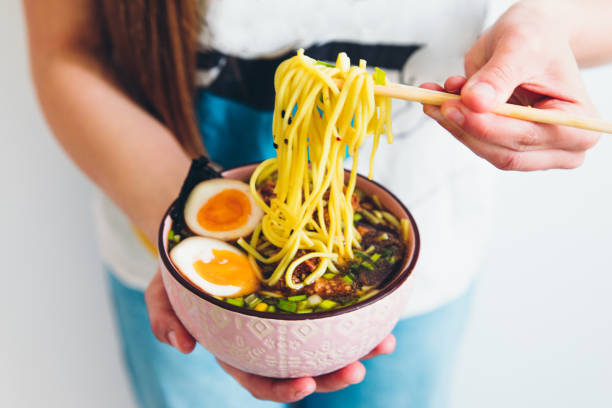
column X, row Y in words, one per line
column 417, row 374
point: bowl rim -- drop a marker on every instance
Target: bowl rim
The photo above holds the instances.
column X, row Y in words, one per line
column 384, row 292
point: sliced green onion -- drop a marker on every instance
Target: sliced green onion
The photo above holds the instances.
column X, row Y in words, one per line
column 361, row 255
column 370, row 249
column 380, row 76
column 325, row 64
column 347, row 279
column 392, row 260
column 357, row 217
column 252, row 300
column 303, row 305
column 287, row 306
column 171, row 235
column 382, row 237
column 296, row 298
column 314, row 300
column 368, row 265
column 370, row 217
column 270, row 294
column 271, row 308
column 375, row 257
column 391, row 219
column 235, row 301
column 387, row 251
column 302, row 311
column 329, row 275
column 327, row 304
column 177, row 237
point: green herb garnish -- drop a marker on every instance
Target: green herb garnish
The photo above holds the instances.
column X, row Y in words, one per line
column 325, row 64
column 327, row 304
column 380, row 76
column 287, row 306
column 368, row 265
column 235, row 301
column 296, row 298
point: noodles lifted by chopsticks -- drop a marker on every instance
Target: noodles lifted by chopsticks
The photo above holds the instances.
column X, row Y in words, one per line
column 315, row 123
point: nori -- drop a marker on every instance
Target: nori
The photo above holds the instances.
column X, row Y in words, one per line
column 199, row 171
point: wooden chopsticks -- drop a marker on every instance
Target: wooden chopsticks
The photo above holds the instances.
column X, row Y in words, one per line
column 413, row 93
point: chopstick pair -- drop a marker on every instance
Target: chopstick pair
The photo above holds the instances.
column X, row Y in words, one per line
column 428, row 96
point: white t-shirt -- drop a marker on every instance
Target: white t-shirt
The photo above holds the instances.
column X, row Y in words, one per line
column 446, row 187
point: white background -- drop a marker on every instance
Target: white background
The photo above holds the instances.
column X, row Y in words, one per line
column 541, row 327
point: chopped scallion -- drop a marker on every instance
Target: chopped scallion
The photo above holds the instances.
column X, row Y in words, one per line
column 296, row 298
column 325, row 64
column 314, row 300
column 329, row 275
column 370, row 249
column 171, row 235
column 347, row 279
column 383, row 237
column 380, row 76
column 368, row 265
column 357, row 217
column 270, row 294
column 302, row 311
column 271, row 308
column 375, row 257
column 327, row 304
column 235, row 301
column 287, row 306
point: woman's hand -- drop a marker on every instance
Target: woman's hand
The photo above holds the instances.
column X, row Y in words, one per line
column 291, row 390
column 168, row 329
column 166, row 326
column 525, row 58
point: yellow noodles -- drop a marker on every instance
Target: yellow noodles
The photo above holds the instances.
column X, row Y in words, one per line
column 315, row 123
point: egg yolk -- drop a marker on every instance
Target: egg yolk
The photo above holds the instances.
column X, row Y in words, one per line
column 228, row 268
column 228, row 210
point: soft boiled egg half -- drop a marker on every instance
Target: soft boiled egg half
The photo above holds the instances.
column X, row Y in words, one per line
column 216, row 267
column 223, row 209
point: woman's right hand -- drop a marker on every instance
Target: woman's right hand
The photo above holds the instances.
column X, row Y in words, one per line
column 168, row 329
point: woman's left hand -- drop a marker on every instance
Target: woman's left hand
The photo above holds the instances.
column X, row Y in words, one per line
column 525, row 58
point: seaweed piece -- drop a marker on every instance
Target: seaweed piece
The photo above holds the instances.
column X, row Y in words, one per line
column 199, row 171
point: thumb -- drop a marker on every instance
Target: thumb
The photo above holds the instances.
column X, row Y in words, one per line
column 496, row 80
column 164, row 323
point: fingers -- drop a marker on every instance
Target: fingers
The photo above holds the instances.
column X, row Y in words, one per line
column 504, row 158
column 495, row 81
column 271, row 389
column 291, row 390
column 353, row 373
column 166, row 327
column 387, row 346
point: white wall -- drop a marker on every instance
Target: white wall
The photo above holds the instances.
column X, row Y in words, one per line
column 539, row 335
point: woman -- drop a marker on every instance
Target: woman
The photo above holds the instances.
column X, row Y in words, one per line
column 117, row 81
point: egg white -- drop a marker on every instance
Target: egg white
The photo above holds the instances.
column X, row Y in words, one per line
column 192, row 249
column 203, row 192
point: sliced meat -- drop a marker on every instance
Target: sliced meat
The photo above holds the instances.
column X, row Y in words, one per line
column 327, row 288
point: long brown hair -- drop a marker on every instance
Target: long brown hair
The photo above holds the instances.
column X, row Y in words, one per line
column 152, row 45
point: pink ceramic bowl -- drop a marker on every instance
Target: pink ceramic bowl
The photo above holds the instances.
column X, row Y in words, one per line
column 283, row 345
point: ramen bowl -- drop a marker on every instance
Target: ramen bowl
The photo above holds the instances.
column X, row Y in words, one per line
column 291, row 345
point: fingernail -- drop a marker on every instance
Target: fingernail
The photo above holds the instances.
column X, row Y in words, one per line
column 300, row 394
column 484, row 91
column 454, row 115
column 172, row 338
